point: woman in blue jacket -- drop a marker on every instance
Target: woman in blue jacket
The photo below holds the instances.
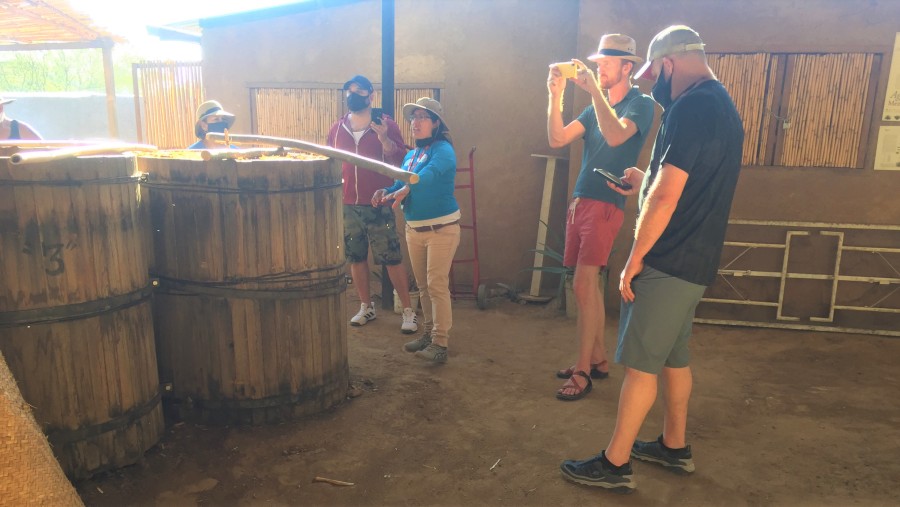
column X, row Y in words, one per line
column 432, row 222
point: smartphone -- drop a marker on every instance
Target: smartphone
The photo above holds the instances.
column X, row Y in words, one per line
column 376, row 115
column 567, row 69
column 613, row 178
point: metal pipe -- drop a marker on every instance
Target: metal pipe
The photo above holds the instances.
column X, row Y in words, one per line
column 31, row 157
column 366, row 163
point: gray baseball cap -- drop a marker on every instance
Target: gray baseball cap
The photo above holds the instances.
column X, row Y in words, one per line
column 672, row 40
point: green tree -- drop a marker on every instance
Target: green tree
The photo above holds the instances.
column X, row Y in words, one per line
column 65, row 70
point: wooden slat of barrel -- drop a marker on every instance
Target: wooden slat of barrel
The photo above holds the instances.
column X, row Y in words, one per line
column 239, row 335
column 75, row 316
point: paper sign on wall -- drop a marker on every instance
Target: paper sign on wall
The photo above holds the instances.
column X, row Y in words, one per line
column 892, row 98
column 887, row 155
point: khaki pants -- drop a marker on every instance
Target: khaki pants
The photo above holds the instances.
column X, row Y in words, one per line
column 431, row 254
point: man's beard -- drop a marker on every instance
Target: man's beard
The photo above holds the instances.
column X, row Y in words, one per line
column 609, row 83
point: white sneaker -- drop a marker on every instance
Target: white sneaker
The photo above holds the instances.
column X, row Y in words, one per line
column 365, row 314
column 410, row 321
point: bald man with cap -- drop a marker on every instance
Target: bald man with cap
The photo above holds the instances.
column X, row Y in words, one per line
column 614, row 128
column 685, row 199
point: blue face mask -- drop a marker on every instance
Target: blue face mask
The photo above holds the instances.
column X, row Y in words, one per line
column 218, row 127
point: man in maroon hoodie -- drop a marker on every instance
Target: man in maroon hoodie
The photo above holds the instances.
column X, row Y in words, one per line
column 377, row 137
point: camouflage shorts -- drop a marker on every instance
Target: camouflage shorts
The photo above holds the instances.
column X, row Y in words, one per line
column 365, row 226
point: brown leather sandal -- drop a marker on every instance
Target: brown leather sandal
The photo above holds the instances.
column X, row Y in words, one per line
column 581, row 392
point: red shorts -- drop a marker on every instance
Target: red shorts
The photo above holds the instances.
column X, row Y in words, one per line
column 591, row 228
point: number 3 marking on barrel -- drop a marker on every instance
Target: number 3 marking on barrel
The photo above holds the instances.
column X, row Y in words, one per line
column 53, row 253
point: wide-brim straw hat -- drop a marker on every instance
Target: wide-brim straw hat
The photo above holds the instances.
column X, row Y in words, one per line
column 619, row 46
column 4, row 101
column 428, row 104
column 212, row 107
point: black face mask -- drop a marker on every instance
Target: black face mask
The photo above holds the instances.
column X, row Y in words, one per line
column 357, row 102
column 662, row 90
column 218, row 127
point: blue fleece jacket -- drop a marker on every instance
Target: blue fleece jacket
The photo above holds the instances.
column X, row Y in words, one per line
column 432, row 196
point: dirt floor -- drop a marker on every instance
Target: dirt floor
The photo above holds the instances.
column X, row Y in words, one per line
column 781, row 418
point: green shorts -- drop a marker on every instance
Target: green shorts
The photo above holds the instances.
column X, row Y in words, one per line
column 365, row 226
column 654, row 329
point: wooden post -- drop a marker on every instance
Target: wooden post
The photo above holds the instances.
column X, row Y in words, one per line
column 549, row 176
column 109, row 78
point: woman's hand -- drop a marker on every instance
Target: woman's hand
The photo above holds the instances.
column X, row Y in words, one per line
column 378, row 198
column 634, row 177
column 397, row 196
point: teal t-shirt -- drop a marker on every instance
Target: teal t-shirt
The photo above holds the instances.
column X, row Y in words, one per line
column 638, row 108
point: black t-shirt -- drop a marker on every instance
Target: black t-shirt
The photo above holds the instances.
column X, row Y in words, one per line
column 701, row 133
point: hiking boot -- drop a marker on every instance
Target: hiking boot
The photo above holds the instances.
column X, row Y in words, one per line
column 419, row 343
column 676, row 460
column 598, row 471
column 365, row 314
column 434, row 353
column 410, row 321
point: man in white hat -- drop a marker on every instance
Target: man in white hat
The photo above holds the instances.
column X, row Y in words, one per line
column 614, row 128
column 684, row 203
column 14, row 129
column 211, row 117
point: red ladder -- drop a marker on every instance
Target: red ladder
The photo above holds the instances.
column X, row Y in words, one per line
column 465, row 293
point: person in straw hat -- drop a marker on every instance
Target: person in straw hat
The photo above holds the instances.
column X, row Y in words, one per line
column 14, row 129
column 211, row 117
column 684, row 203
column 614, row 128
column 432, row 222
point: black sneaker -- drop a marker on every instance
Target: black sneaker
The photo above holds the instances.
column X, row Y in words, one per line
column 598, row 471
column 677, row 460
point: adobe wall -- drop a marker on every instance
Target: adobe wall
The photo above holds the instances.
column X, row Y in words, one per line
column 67, row 115
column 490, row 59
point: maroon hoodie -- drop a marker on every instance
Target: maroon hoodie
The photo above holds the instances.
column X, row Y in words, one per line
column 359, row 183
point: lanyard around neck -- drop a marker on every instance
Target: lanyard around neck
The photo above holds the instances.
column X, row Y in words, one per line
column 417, row 155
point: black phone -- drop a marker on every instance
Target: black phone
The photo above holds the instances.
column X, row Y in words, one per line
column 376, row 115
column 613, row 178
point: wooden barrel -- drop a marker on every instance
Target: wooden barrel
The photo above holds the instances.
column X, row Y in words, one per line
column 250, row 308
column 76, row 323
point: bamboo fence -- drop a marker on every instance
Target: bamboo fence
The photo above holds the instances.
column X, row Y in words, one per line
column 297, row 113
column 825, row 105
column 308, row 113
column 748, row 78
column 168, row 95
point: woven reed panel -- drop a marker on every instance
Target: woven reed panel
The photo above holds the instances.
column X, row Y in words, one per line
column 169, row 93
column 828, row 98
column 750, row 79
column 308, row 113
column 29, row 473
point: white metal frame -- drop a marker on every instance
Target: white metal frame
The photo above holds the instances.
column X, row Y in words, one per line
column 783, row 321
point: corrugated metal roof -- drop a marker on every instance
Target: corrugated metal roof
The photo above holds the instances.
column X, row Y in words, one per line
column 24, row 22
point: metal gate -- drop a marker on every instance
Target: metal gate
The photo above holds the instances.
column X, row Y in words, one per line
column 809, row 276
